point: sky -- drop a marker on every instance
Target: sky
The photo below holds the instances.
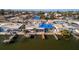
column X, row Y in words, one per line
column 39, row 4
column 49, row 9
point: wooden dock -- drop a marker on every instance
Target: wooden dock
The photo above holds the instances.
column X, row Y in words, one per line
column 77, row 37
column 10, row 39
column 37, row 33
column 22, row 33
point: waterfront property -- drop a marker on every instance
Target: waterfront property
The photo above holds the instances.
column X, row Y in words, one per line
column 7, row 27
column 39, row 30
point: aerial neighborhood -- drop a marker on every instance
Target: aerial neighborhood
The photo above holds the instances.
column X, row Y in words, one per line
column 61, row 25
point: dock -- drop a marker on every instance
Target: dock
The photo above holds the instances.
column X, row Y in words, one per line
column 77, row 37
column 10, row 39
column 37, row 33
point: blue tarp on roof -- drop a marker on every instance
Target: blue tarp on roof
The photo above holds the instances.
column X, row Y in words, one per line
column 48, row 26
column 36, row 17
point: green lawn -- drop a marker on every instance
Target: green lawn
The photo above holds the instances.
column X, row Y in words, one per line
column 49, row 43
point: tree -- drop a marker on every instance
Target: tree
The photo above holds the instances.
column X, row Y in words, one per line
column 2, row 11
column 66, row 34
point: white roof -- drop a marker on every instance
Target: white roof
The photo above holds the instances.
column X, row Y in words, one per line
column 40, row 28
column 77, row 31
column 58, row 20
column 76, row 22
column 29, row 28
column 33, row 28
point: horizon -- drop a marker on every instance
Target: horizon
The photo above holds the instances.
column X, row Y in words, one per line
column 48, row 10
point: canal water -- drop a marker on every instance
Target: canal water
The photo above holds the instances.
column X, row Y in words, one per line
column 36, row 43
